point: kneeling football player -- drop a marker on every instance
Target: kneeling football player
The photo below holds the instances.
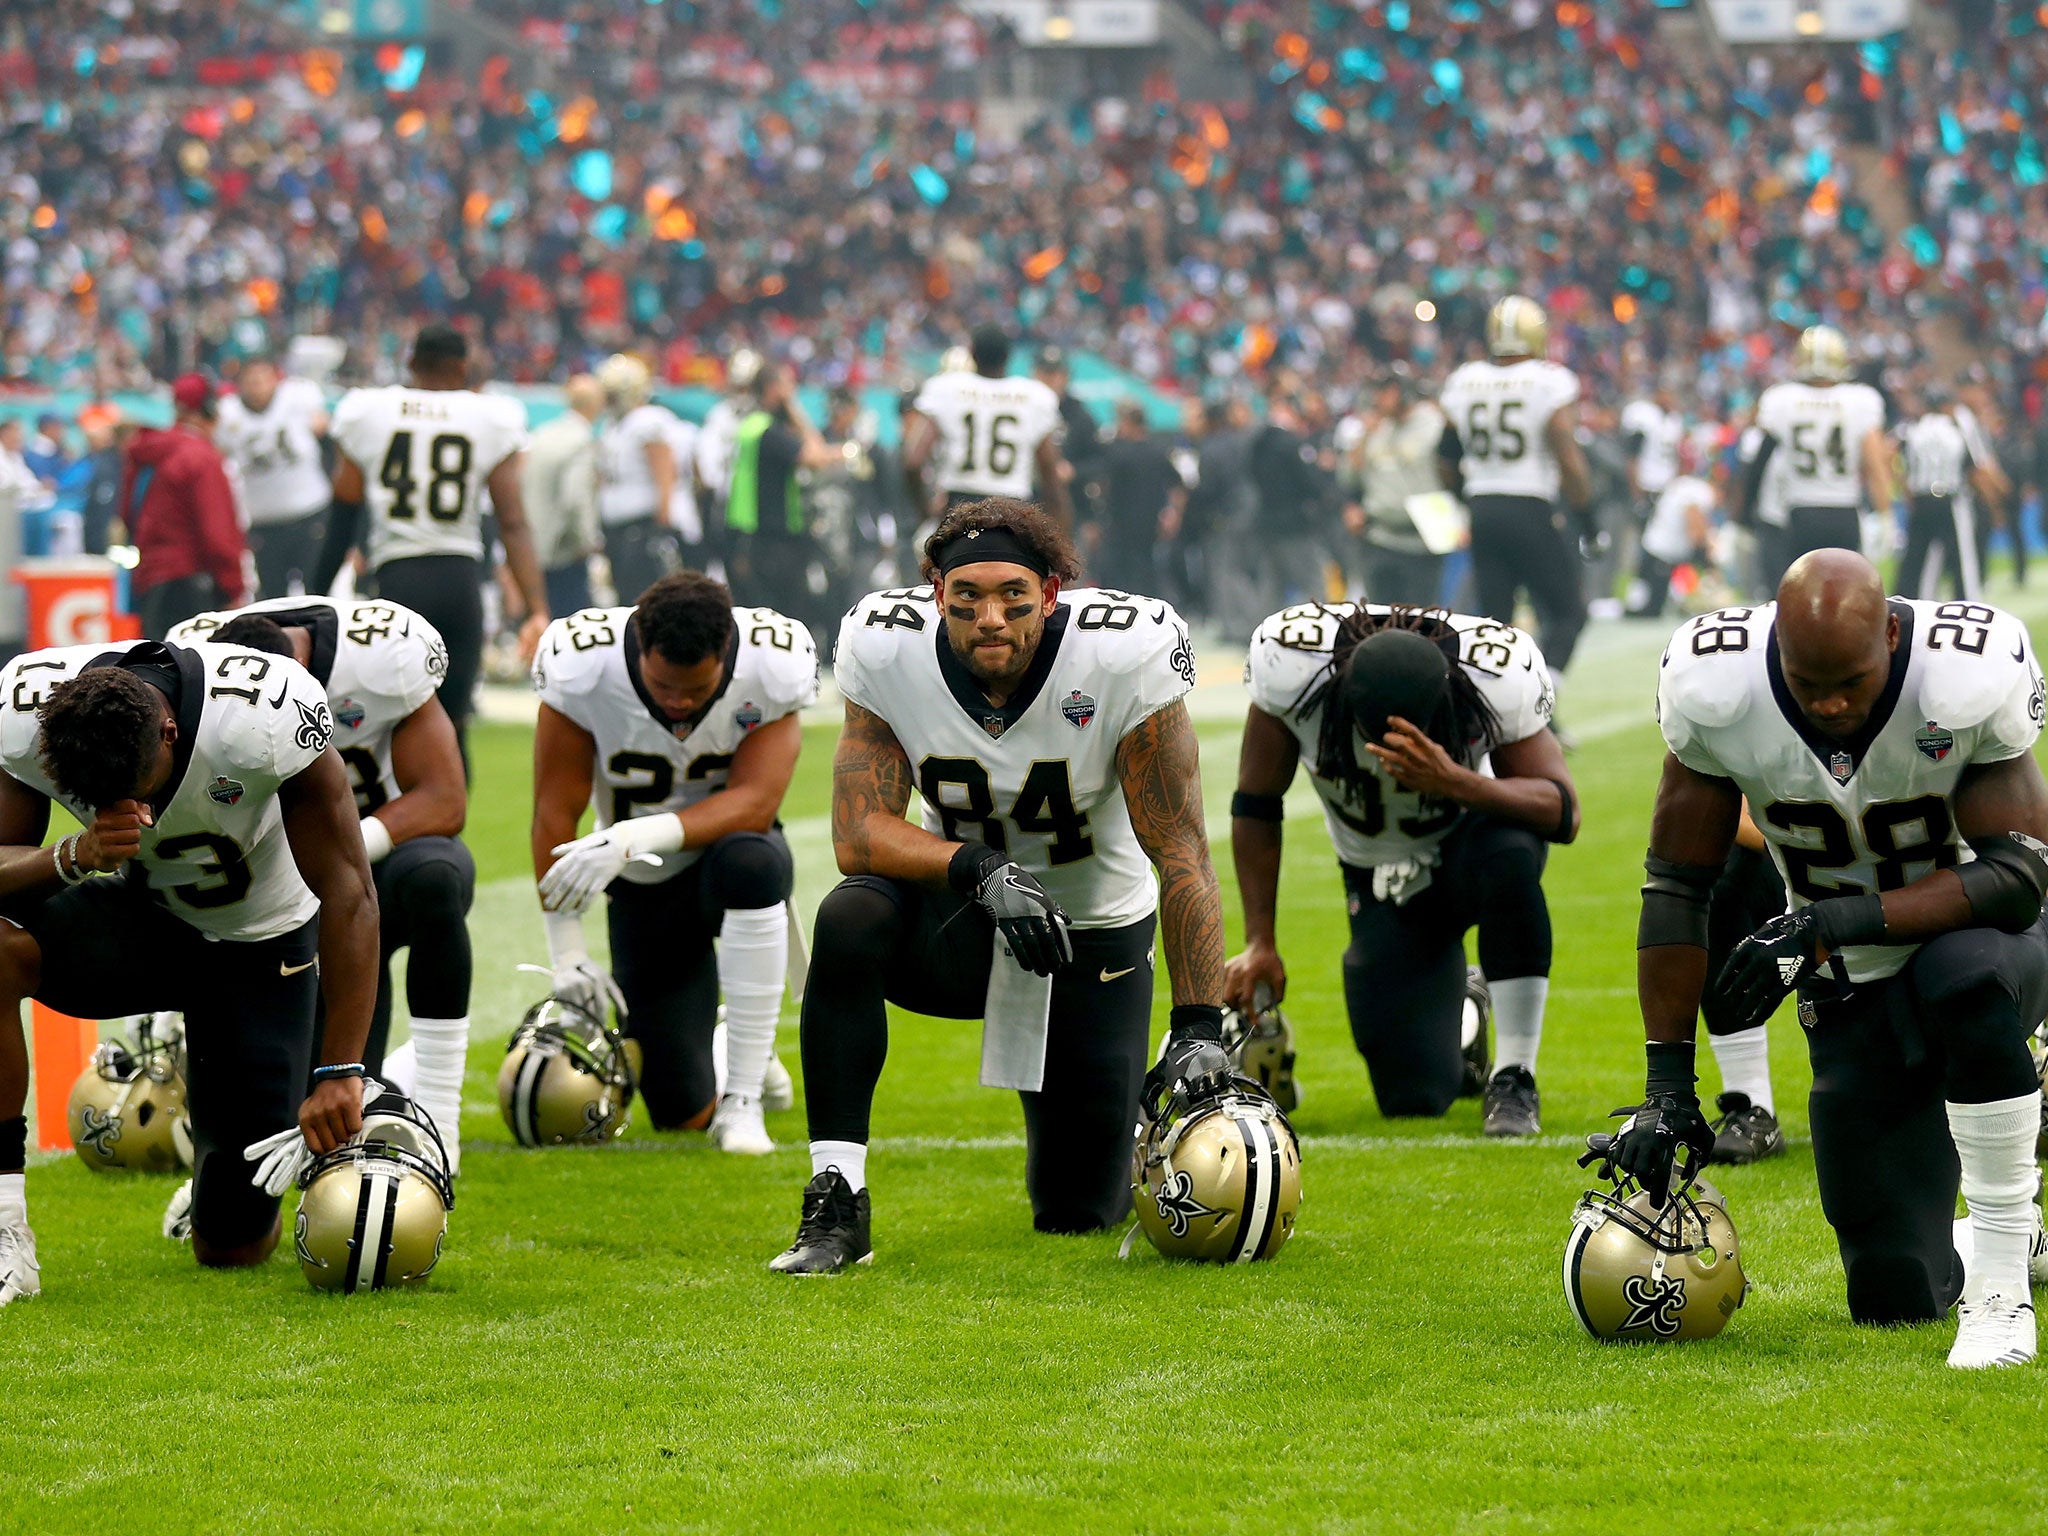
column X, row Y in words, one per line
column 1427, row 736
column 382, row 665
column 1885, row 748
column 205, row 778
column 676, row 720
column 1047, row 734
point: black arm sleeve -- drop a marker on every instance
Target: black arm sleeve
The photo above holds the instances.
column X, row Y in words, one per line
column 1753, row 481
column 1675, row 902
column 2006, row 881
column 344, row 532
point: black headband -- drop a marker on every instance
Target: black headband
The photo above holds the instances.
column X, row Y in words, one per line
column 979, row 545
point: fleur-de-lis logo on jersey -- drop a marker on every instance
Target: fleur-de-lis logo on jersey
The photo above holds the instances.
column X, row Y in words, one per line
column 1177, row 1203
column 316, row 725
column 1653, row 1304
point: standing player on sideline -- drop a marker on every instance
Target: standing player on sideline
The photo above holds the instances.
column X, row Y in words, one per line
column 422, row 456
column 1884, row 747
column 205, row 776
column 1831, row 431
column 271, row 427
column 1943, row 479
column 1427, row 736
column 1046, row 733
column 676, row 720
column 637, row 474
column 1510, row 452
column 380, row 665
column 984, row 434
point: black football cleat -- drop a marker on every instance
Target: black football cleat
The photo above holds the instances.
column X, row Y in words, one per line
column 1513, row 1106
column 1478, row 1059
column 1745, row 1132
column 833, row 1232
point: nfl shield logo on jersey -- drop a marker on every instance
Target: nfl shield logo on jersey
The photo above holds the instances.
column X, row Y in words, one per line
column 1934, row 743
column 1079, row 709
column 224, row 791
column 1841, row 765
column 350, row 713
column 747, row 716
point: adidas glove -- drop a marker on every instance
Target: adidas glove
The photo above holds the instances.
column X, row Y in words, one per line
column 1768, row 964
column 1024, row 912
column 1646, row 1149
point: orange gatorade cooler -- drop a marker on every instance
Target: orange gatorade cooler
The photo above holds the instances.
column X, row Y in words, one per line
column 71, row 602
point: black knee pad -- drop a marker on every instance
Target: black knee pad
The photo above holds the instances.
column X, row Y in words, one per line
column 857, row 921
column 1887, row 1289
column 747, row 870
column 436, row 893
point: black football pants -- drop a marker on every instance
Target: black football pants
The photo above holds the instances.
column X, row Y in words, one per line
column 424, row 888
column 1404, row 974
column 887, row 941
column 1953, row 1025
column 110, row 950
column 446, row 591
column 665, row 961
column 1522, row 543
column 287, row 549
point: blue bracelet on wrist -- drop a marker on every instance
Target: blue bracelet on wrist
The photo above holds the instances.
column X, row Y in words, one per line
column 338, row 1070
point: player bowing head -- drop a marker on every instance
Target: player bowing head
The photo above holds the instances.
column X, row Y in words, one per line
column 1426, row 734
column 381, row 666
column 676, row 721
column 1885, row 748
column 205, row 775
column 1045, row 731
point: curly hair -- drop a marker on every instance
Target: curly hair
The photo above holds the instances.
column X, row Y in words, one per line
column 102, row 731
column 256, row 632
column 686, row 616
column 1028, row 523
column 1463, row 718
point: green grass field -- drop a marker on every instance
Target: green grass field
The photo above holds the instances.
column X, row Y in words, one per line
column 602, row 1349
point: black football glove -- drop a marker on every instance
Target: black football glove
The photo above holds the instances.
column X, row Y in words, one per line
column 1194, row 1051
column 1646, row 1149
column 1768, row 964
column 1024, row 912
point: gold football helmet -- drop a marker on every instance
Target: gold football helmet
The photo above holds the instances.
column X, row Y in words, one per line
column 1821, row 356
column 565, row 1077
column 1261, row 1047
column 1636, row 1273
column 128, row 1106
column 375, row 1211
column 1217, row 1175
column 626, row 380
column 1517, row 327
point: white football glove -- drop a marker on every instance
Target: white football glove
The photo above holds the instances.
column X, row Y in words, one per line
column 589, row 986
column 281, row 1159
column 585, row 867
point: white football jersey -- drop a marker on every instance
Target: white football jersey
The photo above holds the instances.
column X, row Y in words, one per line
column 1869, row 812
column 625, row 485
column 277, row 452
column 1661, row 431
column 588, row 668
column 378, row 662
column 1668, row 534
column 1820, row 430
column 425, row 455
column 1937, row 455
column 1290, row 655
column 1036, row 779
column 1501, row 411
column 217, row 856
column 989, row 431
column 683, row 514
column 717, row 442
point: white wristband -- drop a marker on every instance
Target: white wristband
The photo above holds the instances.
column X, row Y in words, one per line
column 660, row 833
column 565, row 938
column 376, row 838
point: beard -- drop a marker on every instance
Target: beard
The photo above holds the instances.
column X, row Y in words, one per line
column 983, row 665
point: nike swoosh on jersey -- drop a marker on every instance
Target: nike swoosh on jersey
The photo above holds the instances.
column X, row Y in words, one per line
column 2020, row 652
column 1109, row 975
column 293, row 970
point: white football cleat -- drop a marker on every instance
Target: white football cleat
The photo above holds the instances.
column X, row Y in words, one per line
column 1994, row 1330
column 737, row 1127
column 20, row 1275
column 178, row 1214
column 777, row 1091
column 1965, row 1241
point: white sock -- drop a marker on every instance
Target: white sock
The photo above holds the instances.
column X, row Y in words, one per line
column 1518, row 1020
column 849, row 1157
column 14, row 1199
column 1745, row 1062
column 753, row 956
column 401, row 1068
column 1995, row 1144
column 440, row 1051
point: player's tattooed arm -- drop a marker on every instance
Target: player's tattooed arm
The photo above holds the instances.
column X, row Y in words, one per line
column 1159, row 766
column 1266, row 762
column 871, row 784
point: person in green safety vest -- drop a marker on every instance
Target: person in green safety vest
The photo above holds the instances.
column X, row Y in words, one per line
column 767, row 527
